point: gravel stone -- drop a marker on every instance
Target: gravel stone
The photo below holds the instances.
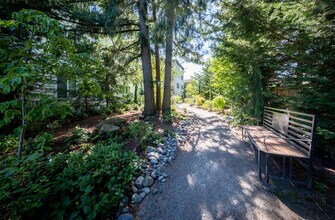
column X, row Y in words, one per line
column 154, row 191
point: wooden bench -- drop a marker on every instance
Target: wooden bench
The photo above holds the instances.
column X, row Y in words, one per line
column 285, row 133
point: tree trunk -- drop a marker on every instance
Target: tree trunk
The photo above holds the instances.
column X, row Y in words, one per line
column 157, row 61
column 23, row 124
column 168, row 57
column 149, row 104
column 135, row 94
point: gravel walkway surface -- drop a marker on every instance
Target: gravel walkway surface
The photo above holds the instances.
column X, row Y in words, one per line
column 213, row 177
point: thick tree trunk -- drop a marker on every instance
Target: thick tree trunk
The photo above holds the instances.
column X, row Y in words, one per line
column 23, row 124
column 149, row 104
column 157, row 61
column 166, row 108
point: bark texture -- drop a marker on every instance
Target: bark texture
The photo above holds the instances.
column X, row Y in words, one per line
column 149, row 104
column 166, row 108
column 157, row 61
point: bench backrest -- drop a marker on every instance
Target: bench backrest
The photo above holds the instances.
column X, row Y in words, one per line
column 293, row 125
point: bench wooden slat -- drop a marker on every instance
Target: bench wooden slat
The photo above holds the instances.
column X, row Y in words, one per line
column 293, row 112
column 309, row 134
column 302, row 119
column 273, row 144
column 302, row 125
column 291, row 132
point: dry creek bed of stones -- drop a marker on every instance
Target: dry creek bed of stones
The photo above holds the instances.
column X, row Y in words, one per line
column 152, row 167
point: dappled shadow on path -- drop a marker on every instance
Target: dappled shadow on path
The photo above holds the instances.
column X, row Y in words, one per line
column 213, row 178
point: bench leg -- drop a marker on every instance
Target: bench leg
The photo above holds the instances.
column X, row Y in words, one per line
column 267, row 168
column 259, row 165
column 284, row 167
column 310, row 171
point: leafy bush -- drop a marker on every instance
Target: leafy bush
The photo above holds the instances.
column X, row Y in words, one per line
column 132, row 106
column 8, row 142
column 143, row 132
column 189, row 101
column 69, row 186
column 219, row 103
column 79, row 135
column 168, row 117
column 40, row 142
column 199, row 100
column 176, row 99
column 208, row 105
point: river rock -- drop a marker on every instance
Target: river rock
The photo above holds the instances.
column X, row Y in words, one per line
column 153, row 155
column 151, row 149
column 153, row 161
column 148, row 181
column 139, row 182
column 136, row 198
column 146, row 190
column 142, row 195
column 125, row 217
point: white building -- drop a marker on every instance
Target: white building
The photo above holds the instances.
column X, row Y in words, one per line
column 177, row 82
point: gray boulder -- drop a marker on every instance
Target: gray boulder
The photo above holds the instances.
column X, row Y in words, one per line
column 112, row 121
column 106, row 128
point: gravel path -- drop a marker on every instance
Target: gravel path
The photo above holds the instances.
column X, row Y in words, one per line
column 213, row 177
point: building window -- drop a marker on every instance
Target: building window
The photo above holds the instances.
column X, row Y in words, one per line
column 181, row 77
column 181, row 86
column 177, row 85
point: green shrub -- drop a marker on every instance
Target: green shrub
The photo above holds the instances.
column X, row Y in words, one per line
column 39, row 143
column 208, row 105
column 66, row 186
column 8, row 142
column 219, row 103
column 189, row 101
column 133, row 106
column 79, row 135
column 199, row 100
column 168, row 118
column 176, row 99
column 143, row 132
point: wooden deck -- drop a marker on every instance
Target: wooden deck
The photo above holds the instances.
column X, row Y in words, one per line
column 268, row 142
